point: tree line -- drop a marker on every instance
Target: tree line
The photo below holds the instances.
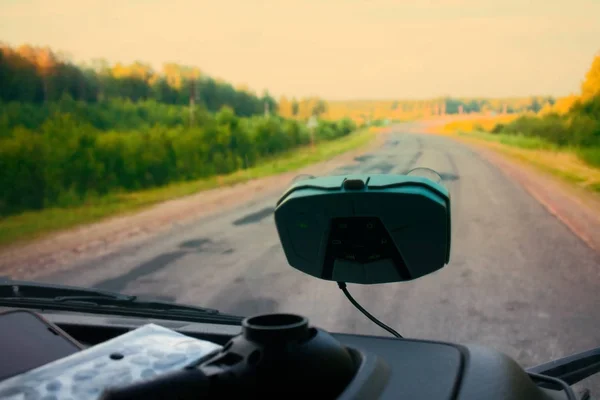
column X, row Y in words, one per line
column 363, row 111
column 38, row 75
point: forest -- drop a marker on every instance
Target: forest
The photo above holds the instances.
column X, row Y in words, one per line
column 69, row 134
column 34, row 76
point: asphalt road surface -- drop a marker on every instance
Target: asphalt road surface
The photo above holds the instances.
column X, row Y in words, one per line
column 518, row 279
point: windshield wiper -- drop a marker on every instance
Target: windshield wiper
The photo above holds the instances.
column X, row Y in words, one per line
column 68, row 298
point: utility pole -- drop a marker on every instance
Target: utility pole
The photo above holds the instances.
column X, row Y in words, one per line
column 312, row 124
column 192, row 100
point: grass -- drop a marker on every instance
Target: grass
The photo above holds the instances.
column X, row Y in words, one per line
column 30, row 225
column 521, row 141
column 590, row 155
column 574, row 165
column 580, row 166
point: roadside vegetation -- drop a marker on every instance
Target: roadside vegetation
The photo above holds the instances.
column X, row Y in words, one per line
column 70, row 136
column 563, row 138
column 32, row 224
column 81, row 143
column 67, row 161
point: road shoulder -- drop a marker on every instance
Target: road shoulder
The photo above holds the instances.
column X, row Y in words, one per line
column 577, row 208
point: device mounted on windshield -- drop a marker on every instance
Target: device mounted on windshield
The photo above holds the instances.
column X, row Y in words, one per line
column 365, row 229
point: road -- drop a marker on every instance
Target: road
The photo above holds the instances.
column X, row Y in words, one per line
column 518, row 279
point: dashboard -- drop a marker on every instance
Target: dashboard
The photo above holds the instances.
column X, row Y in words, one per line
column 417, row 368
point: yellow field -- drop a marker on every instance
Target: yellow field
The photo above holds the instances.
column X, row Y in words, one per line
column 484, row 123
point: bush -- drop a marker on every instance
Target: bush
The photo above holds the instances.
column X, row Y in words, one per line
column 580, row 127
column 67, row 159
column 498, row 128
column 590, row 155
column 585, row 130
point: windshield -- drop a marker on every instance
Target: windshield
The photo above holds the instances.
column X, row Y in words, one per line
column 144, row 145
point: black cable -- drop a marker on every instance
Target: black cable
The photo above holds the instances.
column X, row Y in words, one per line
column 549, row 379
column 543, row 378
column 342, row 286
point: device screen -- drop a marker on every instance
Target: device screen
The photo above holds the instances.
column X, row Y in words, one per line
column 27, row 342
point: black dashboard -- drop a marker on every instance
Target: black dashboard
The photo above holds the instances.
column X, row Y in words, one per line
column 417, row 369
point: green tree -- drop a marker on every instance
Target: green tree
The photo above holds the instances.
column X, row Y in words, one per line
column 295, row 107
column 319, row 108
column 591, row 84
column 535, row 105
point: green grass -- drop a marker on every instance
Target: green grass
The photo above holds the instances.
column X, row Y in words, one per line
column 30, row 225
column 523, row 142
column 590, row 155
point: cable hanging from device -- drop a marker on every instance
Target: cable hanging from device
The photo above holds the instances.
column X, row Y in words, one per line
column 555, row 381
column 342, row 286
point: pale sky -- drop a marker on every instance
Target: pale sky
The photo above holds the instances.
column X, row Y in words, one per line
column 337, row 49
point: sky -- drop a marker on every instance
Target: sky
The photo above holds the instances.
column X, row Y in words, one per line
column 336, row 49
